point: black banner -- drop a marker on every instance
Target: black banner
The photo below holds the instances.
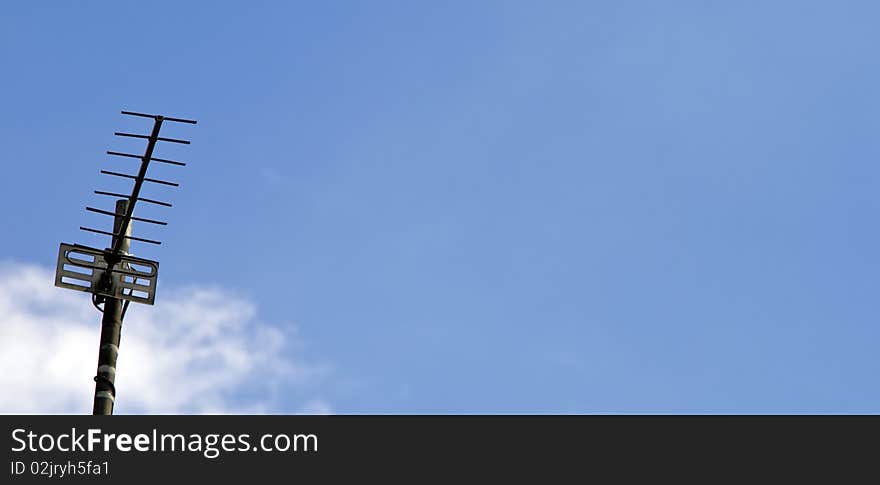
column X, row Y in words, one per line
column 414, row 449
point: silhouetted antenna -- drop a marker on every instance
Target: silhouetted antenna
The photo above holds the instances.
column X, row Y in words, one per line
column 112, row 275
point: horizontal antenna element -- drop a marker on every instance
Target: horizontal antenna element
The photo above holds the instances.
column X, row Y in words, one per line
column 164, row 118
column 123, row 196
column 145, row 179
column 149, row 137
column 119, row 235
column 142, row 219
column 120, row 154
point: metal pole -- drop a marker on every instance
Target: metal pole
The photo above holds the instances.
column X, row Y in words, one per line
column 111, row 329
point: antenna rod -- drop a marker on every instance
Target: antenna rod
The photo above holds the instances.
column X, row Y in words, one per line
column 139, row 181
column 111, row 322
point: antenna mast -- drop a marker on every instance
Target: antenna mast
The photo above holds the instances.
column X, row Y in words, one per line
column 113, row 276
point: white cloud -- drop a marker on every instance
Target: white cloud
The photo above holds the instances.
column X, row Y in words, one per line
column 197, row 351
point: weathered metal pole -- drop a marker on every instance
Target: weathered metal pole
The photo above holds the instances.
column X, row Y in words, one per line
column 111, row 328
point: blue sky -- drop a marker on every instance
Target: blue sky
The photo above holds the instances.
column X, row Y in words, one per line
column 485, row 206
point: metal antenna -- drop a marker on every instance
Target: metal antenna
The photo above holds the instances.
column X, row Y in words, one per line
column 113, row 276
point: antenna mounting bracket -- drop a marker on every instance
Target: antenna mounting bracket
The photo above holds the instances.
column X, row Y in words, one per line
column 101, row 272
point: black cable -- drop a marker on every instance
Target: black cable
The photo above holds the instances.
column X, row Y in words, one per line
column 95, row 302
column 124, row 308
